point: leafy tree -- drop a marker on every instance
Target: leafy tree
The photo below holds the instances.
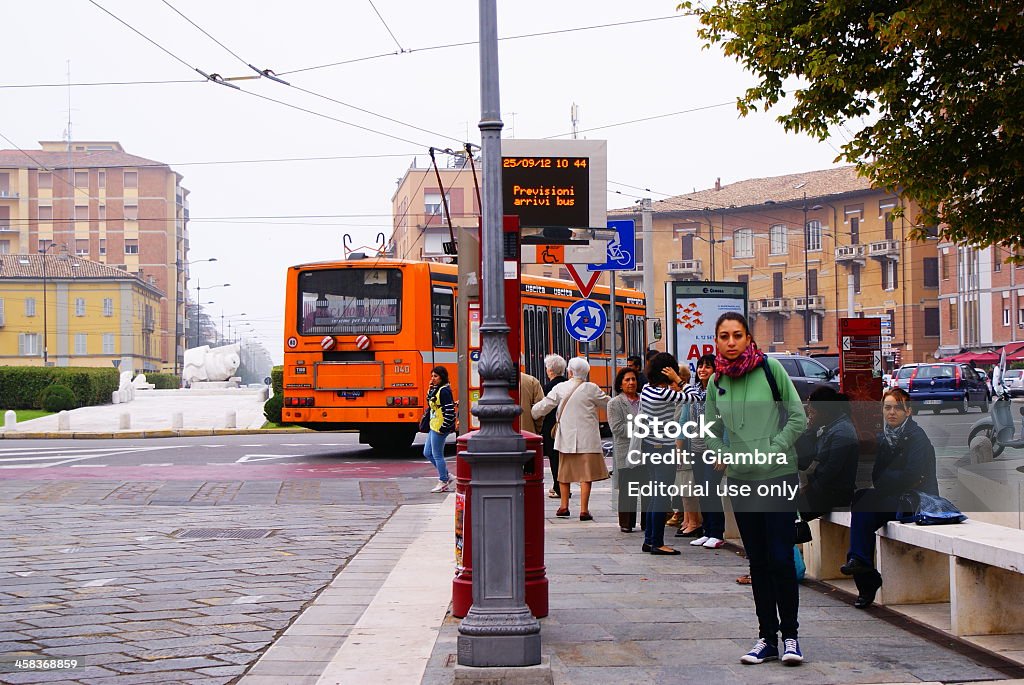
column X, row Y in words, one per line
column 940, row 81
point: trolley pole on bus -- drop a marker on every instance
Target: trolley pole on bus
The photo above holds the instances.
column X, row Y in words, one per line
column 499, row 630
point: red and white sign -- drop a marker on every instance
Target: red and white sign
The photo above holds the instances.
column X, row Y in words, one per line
column 362, row 342
column 585, row 288
column 327, row 343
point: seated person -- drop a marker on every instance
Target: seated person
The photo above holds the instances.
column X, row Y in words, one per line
column 829, row 444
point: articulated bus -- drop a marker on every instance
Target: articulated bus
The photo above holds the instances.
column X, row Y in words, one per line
column 362, row 334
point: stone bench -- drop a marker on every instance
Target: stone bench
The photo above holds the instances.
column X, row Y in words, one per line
column 978, row 568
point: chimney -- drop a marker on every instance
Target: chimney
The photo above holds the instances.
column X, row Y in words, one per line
column 718, row 183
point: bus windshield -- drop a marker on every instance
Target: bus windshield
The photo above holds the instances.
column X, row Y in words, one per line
column 350, row 301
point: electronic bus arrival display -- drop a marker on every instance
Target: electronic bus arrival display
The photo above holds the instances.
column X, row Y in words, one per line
column 547, row 191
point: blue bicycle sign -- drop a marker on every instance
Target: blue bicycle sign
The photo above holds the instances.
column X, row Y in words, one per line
column 621, row 249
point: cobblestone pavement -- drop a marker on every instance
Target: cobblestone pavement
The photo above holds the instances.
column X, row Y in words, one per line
column 104, row 572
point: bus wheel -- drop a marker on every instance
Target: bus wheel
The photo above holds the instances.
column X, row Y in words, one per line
column 390, row 441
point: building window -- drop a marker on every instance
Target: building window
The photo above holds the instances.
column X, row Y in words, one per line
column 108, row 344
column 108, row 306
column 81, row 343
column 131, row 212
column 82, row 180
column 743, row 278
column 101, row 179
column 30, row 306
column 778, row 329
column 2, row 321
column 103, row 246
column 82, row 247
column 1006, row 316
column 931, row 322
column 102, row 212
column 81, row 212
column 1020, row 316
column 945, row 266
column 743, row 242
column 131, row 179
column 45, row 213
column 814, row 236
column 931, row 272
column 815, row 328
column 5, row 247
column 952, row 315
column 79, row 306
column 44, row 245
column 888, row 226
column 812, row 281
column 638, row 250
column 777, row 284
column 855, row 272
column 778, row 242
column 28, row 344
column 889, row 274
column 432, row 203
column 131, row 246
column 854, row 231
column 45, row 179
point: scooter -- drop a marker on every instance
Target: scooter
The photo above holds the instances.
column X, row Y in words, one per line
column 998, row 425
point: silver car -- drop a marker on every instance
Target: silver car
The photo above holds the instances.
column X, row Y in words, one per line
column 1013, row 379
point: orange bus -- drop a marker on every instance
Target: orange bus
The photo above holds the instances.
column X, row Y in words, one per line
column 362, row 334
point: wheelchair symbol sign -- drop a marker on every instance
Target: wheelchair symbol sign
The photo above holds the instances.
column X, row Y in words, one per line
column 585, row 320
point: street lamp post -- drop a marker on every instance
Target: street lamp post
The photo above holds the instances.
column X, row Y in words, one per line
column 807, row 280
column 199, row 297
column 178, row 332
column 499, row 629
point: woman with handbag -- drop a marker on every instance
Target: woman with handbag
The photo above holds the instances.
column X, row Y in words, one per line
column 753, row 399
column 904, row 462
column 621, row 409
column 577, row 434
column 441, row 422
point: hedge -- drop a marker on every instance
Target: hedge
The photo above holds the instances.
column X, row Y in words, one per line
column 163, row 381
column 21, row 387
column 57, row 397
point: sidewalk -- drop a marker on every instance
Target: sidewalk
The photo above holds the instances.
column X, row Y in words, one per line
column 203, row 413
column 617, row 616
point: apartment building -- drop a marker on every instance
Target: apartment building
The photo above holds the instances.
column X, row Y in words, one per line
column 981, row 298
column 93, row 200
column 812, row 247
column 420, row 226
column 63, row 310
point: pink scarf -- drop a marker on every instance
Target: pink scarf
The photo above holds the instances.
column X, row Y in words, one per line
column 748, row 360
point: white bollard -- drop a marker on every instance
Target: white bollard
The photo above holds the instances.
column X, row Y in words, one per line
column 126, row 421
column 10, row 420
column 63, row 421
column 229, row 419
column 177, row 420
column 115, row 397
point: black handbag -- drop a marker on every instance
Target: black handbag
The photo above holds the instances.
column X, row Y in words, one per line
column 802, row 530
column 424, row 426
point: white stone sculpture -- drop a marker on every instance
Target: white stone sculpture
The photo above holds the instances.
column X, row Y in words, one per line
column 140, row 383
column 205, row 363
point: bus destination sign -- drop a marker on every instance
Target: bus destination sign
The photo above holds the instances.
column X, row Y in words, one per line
column 547, row 191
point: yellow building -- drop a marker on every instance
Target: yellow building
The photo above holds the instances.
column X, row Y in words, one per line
column 62, row 310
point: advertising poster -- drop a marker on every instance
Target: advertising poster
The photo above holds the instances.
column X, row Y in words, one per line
column 694, row 307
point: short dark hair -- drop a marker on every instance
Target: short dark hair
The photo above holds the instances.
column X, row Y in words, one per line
column 829, row 402
column 621, row 376
column 651, row 354
column 635, row 359
column 442, row 373
column 661, row 361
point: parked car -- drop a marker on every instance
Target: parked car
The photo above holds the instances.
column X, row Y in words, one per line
column 831, row 361
column 944, row 384
column 901, row 377
column 806, row 373
column 1013, row 379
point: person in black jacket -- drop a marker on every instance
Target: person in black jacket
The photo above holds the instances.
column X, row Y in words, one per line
column 905, row 462
column 554, row 367
column 830, row 444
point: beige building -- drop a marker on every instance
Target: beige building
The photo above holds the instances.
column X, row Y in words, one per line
column 854, row 260
column 64, row 310
column 97, row 202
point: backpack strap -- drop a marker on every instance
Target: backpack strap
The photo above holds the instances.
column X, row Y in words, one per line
column 776, row 394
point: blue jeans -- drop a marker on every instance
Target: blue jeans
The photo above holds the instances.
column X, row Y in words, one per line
column 655, row 509
column 433, row 450
column 768, row 539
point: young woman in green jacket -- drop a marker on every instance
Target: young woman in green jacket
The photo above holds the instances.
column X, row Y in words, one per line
column 753, row 442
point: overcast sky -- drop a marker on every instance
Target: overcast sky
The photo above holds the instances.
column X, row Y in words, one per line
column 259, row 217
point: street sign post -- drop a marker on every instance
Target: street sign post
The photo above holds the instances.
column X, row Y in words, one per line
column 585, row 320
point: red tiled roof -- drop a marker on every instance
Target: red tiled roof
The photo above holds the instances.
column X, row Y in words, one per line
column 64, row 267
column 754, row 192
column 44, row 159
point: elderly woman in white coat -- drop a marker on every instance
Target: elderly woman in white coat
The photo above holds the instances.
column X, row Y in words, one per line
column 578, row 437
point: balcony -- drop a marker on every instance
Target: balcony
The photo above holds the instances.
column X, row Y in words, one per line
column 884, row 249
column 815, row 303
column 687, row 269
column 850, row 254
column 773, row 305
column 9, row 195
column 149, row 324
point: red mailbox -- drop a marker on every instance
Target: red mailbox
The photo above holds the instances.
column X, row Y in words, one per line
column 536, row 577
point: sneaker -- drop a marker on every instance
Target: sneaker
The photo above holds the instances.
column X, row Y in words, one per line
column 791, row 655
column 760, row 653
column 699, row 541
column 442, row 486
column 713, row 543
